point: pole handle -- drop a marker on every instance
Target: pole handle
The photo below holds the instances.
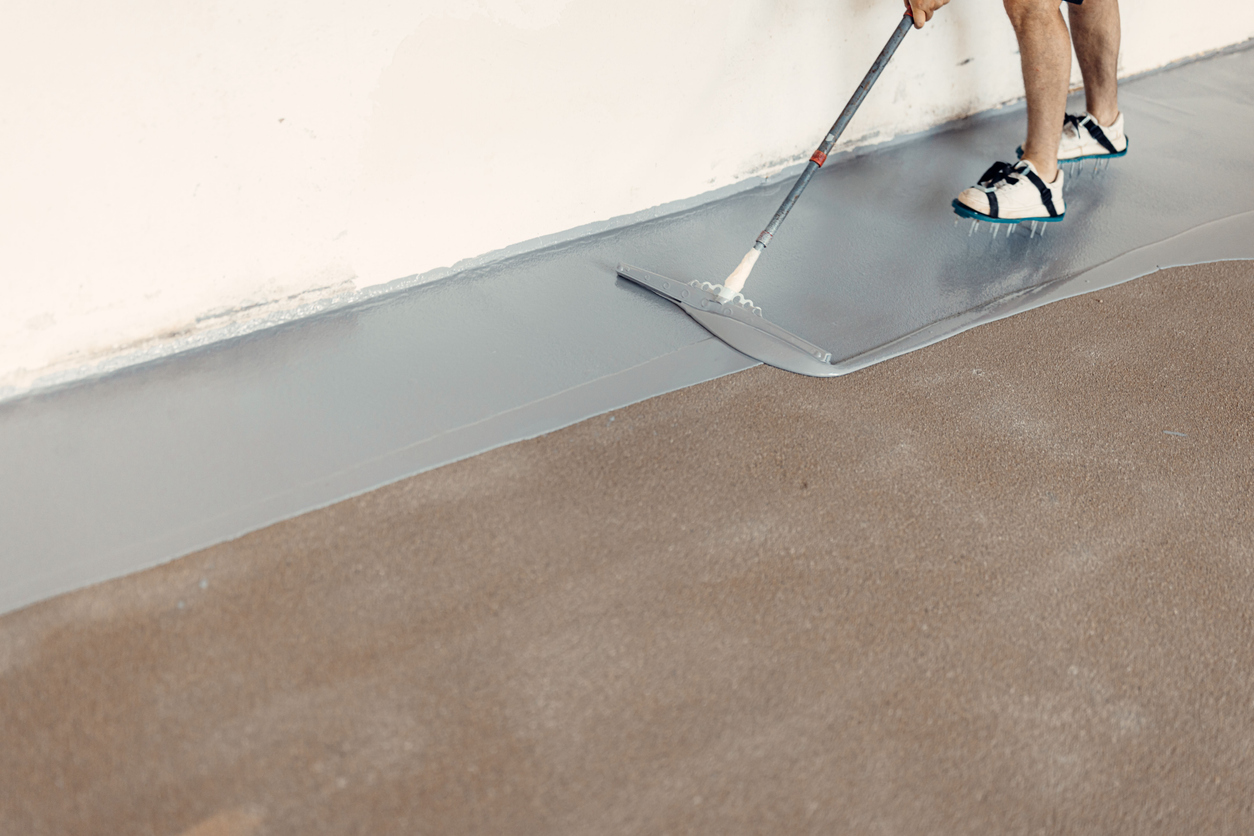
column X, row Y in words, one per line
column 820, row 156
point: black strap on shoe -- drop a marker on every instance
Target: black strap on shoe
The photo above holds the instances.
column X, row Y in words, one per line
column 997, row 172
column 1094, row 129
column 1047, row 196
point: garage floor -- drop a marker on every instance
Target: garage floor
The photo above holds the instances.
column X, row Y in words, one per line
column 1004, row 584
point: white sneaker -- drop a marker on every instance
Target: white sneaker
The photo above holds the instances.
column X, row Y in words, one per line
column 1084, row 139
column 1013, row 193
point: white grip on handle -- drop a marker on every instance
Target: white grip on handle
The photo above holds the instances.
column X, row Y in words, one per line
column 736, row 281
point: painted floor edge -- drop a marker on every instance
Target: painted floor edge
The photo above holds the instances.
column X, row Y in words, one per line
column 1227, row 239
column 694, row 364
column 1222, row 240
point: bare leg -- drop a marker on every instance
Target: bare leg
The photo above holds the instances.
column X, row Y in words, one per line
column 1095, row 30
column 1045, row 53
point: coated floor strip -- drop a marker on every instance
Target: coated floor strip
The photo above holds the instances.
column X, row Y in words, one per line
column 127, row 471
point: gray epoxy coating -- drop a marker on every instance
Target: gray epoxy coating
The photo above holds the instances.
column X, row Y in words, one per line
column 871, row 253
column 114, row 475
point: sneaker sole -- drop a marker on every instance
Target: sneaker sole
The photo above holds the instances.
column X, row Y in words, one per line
column 964, row 211
column 1123, row 153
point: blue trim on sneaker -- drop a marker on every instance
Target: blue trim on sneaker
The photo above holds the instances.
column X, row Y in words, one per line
column 1123, row 153
column 964, row 211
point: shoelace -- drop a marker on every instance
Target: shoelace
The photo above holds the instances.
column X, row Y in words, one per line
column 1072, row 123
column 1000, row 174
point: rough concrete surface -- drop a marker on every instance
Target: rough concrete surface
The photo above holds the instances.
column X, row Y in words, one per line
column 1001, row 585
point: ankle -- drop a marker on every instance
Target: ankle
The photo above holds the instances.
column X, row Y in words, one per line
column 1047, row 168
column 1104, row 116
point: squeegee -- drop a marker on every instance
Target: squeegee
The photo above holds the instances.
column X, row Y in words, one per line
column 722, row 309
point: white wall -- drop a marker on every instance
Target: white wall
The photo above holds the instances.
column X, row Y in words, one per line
column 172, row 165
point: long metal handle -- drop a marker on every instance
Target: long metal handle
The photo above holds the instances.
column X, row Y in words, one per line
column 820, row 156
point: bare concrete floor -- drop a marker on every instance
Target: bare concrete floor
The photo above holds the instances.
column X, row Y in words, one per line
column 1002, row 585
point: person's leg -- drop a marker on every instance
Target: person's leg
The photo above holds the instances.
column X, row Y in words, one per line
column 1045, row 53
column 1095, row 31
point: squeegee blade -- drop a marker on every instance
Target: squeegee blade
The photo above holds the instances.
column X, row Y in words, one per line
column 738, row 323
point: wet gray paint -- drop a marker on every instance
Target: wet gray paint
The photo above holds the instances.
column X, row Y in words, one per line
column 737, row 322
column 872, row 252
column 129, row 470
column 743, row 326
